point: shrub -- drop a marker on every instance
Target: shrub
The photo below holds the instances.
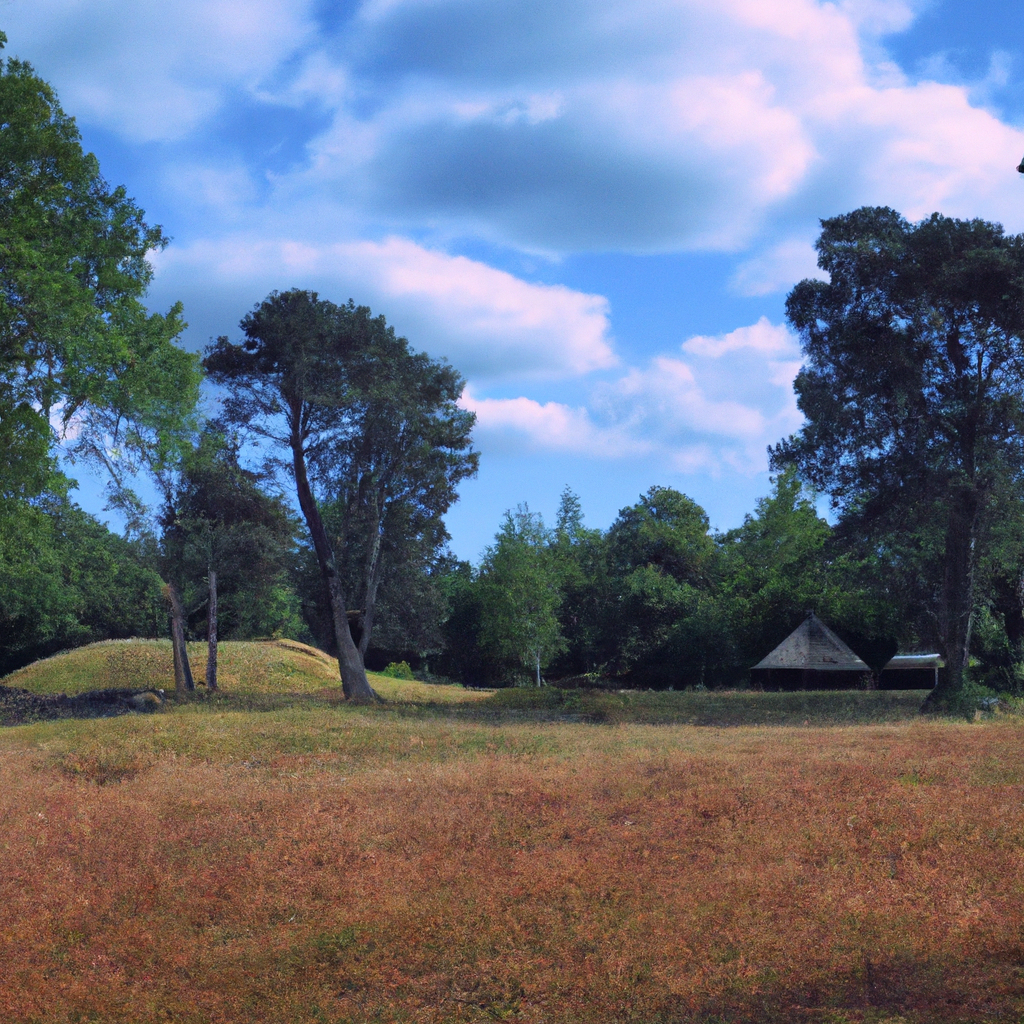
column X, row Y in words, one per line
column 399, row 670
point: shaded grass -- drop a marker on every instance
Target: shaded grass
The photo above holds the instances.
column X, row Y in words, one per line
column 833, row 707
column 329, row 863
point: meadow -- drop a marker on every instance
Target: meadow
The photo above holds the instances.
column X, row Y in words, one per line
column 464, row 856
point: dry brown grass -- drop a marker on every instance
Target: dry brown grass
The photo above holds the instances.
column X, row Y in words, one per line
column 356, row 866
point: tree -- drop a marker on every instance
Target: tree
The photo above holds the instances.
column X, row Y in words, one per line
column 912, row 390
column 77, row 346
column 394, row 479
column 581, row 564
column 785, row 560
column 520, row 594
column 665, row 569
column 229, row 545
column 363, row 420
column 66, row 580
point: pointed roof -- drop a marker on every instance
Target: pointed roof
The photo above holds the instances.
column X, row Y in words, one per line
column 812, row 645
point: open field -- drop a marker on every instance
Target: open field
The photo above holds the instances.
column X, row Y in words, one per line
column 317, row 862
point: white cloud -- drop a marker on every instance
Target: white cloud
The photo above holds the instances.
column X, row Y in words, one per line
column 652, row 125
column 778, row 268
column 636, row 125
column 681, row 413
column 154, row 71
column 764, row 337
column 506, row 423
column 490, row 324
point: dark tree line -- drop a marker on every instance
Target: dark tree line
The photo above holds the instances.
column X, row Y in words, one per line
column 659, row 599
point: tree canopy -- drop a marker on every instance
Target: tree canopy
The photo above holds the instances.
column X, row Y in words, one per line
column 365, row 423
column 913, row 389
column 78, row 349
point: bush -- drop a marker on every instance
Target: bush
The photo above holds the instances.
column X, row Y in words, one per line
column 398, row 670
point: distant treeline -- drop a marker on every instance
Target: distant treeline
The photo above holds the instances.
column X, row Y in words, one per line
column 657, row 600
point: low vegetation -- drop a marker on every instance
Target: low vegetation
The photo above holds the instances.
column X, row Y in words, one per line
column 341, row 864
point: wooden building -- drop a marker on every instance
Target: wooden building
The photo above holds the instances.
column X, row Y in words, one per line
column 911, row 672
column 812, row 657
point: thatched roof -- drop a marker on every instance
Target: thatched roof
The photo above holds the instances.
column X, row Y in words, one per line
column 812, row 645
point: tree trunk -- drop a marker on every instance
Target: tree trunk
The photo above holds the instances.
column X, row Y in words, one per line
column 211, row 633
column 183, row 682
column 354, row 683
column 374, row 568
column 957, row 609
column 538, row 669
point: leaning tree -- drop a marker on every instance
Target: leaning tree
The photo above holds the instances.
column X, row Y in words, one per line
column 360, row 419
column 913, row 389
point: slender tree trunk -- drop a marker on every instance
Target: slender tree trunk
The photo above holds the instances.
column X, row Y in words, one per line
column 537, row 662
column 373, row 575
column 957, row 609
column 183, row 682
column 211, row 633
column 354, row 683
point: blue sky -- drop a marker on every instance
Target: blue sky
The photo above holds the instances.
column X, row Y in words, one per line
column 593, row 208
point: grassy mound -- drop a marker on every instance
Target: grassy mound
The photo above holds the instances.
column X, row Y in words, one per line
column 244, row 667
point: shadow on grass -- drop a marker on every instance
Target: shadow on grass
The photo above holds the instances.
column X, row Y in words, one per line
column 881, row 989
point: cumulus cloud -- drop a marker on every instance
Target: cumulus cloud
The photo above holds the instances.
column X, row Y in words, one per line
column 651, row 125
column 506, row 423
column 778, row 268
column 629, row 125
column 764, row 337
column 684, row 412
column 490, row 324
column 154, row 71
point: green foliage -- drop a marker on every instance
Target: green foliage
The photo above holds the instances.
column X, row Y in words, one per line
column 913, row 389
column 581, row 565
column 784, row 561
column 76, row 342
column 398, row 670
column 668, row 626
column 520, row 594
column 66, row 580
column 366, row 425
column 220, row 518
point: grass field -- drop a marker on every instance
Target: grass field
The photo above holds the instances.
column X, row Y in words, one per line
column 430, row 862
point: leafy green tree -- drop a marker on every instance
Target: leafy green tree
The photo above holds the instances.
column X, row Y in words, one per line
column 393, row 482
column 520, row 594
column 77, row 346
column 581, row 564
column 364, row 421
column 665, row 568
column 461, row 655
column 775, row 568
column 66, row 580
column 785, row 560
column 913, row 389
column 229, row 545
